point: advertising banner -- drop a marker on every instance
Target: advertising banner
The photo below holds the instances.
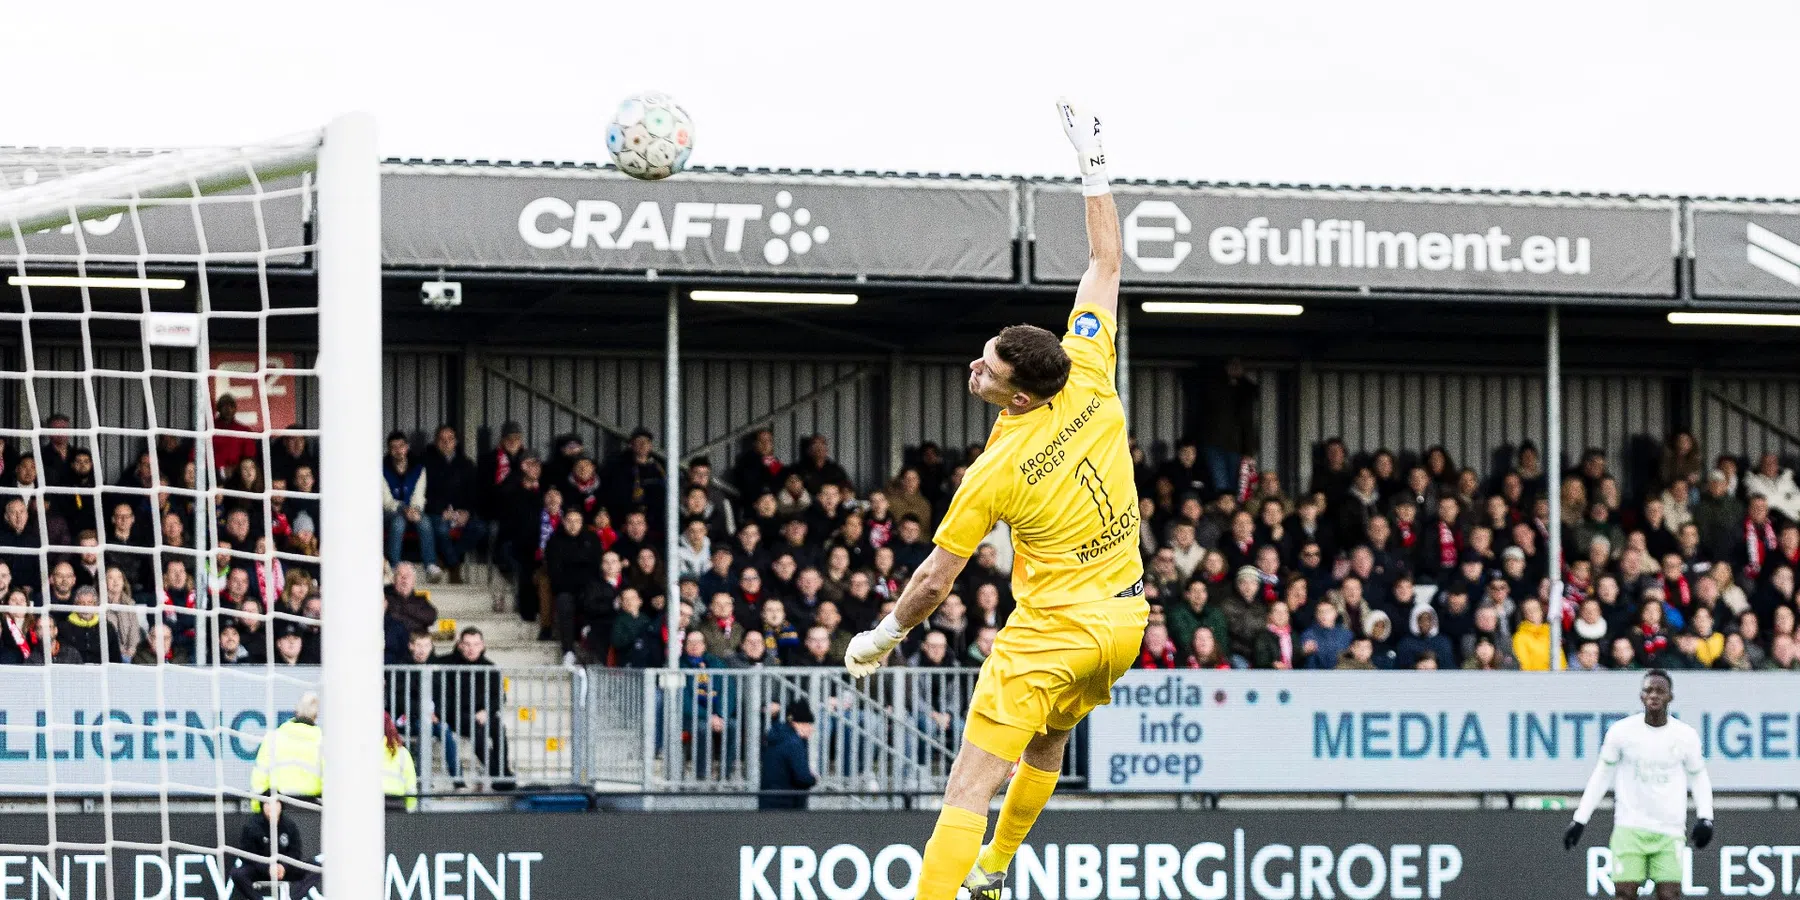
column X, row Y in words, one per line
column 597, row 221
column 1349, row 240
column 1085, row 855
column 1398, row 731
column 141, row 729
column 1749, row 252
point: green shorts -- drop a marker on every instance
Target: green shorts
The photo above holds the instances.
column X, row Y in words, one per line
column 1640, row 855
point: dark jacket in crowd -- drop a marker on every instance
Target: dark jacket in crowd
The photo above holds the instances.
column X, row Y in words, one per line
column 572, row 561
column 281, row 462
column 395, row 637
column 491, row 478
column 629, row 485
column 19, row 550
column 450, row 482
column 1228, row 418
column 636, row 642
column 255, row 839
column 755, row 474
column 469, row 687
column 407, row 693
column 785, row 768
column 413, row 610
column 83, row 640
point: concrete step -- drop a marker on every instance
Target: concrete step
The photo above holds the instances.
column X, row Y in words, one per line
column 510, row 640
column 546, row 655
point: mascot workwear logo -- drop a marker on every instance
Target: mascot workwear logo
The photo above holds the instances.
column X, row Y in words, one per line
column 1154, row 238
column 552, row 223
column 1772, row 253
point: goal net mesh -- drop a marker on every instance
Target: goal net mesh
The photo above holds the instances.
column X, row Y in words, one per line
column 159, row 568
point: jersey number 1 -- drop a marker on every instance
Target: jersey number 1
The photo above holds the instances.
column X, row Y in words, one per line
column 1090, row 479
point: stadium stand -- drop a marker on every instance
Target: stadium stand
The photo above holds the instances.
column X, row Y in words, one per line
column 1409, row 549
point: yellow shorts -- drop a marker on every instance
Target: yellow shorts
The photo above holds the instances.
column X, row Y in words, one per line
column 1050, row 668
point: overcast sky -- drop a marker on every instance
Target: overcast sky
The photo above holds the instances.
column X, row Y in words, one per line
column 1650, row 96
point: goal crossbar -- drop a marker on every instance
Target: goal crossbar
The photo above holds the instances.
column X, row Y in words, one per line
column 172, row 175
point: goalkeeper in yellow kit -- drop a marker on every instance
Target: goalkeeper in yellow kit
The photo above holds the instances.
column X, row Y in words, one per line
column 1057, row 469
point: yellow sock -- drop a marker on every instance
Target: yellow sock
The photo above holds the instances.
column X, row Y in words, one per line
column 1025, row 798
column 951, row 852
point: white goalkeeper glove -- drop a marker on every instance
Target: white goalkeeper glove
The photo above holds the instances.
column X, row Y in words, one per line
column 1083, row 130
column 869, row 648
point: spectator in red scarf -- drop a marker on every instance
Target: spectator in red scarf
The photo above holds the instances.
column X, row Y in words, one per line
column 1158, row 651
column 1238, row 544
column 21, row 639
column 750, row 593
column 581, row 490
column 1756, row 542
column 159, row 646
column 758, row 470
column 1650, row 637
column 1206, row 654
column 1408, row 542
column 1443, row 539
column 498, row 465
column 1274, row 645
column 1678, row 591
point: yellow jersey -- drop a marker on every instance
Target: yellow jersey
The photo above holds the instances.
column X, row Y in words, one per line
column 1060, row 476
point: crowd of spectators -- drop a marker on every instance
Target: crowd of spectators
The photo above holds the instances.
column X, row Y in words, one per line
column 1387, row 561
column 778, row 561
column 95, row 570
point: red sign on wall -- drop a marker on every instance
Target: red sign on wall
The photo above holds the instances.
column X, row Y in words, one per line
column 275, row 386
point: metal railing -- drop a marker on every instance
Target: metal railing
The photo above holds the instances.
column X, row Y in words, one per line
column 684, row 731
column 895, row 732
column 489, row 728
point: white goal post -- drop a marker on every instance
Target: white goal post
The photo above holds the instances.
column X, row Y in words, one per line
column 74, row 307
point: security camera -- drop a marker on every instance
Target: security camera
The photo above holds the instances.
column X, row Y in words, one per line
column 441, row 294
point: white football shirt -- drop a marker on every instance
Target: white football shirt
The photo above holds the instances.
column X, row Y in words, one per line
column 1651, row 768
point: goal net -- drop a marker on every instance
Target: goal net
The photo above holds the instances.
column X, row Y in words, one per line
column 187, row 340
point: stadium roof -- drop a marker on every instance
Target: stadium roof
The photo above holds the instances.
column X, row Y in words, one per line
column 1133, row 182
column 82, row 158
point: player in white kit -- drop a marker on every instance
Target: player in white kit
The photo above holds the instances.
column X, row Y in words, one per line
column 1649, row 761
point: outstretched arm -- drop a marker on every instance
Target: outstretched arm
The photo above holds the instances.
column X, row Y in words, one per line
column 928, row 587
column 924, row 592
column 1100, row 284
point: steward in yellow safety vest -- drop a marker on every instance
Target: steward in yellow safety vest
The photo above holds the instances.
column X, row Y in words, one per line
column 398, row 776
column 290, row 761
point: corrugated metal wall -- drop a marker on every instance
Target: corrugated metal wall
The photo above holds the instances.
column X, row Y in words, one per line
column 552, row 395
column 934, row 404
column 1475, row 414
column 1728, row 414
column 419, row 392
column 1471, row 413
column 1158, row 405
column 117, row 402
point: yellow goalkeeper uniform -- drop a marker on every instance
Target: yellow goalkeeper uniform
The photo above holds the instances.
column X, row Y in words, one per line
column 1060, row 476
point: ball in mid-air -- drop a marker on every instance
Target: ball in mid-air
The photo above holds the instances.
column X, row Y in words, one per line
column 650, row 137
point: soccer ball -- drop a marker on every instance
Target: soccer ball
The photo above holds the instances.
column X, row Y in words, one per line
column 650, row 137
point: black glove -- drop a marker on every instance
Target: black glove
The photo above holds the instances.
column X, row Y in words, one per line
column 1572, row 835
column 1703, row 833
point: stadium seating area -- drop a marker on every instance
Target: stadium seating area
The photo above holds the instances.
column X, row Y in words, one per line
column 1388, row 559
